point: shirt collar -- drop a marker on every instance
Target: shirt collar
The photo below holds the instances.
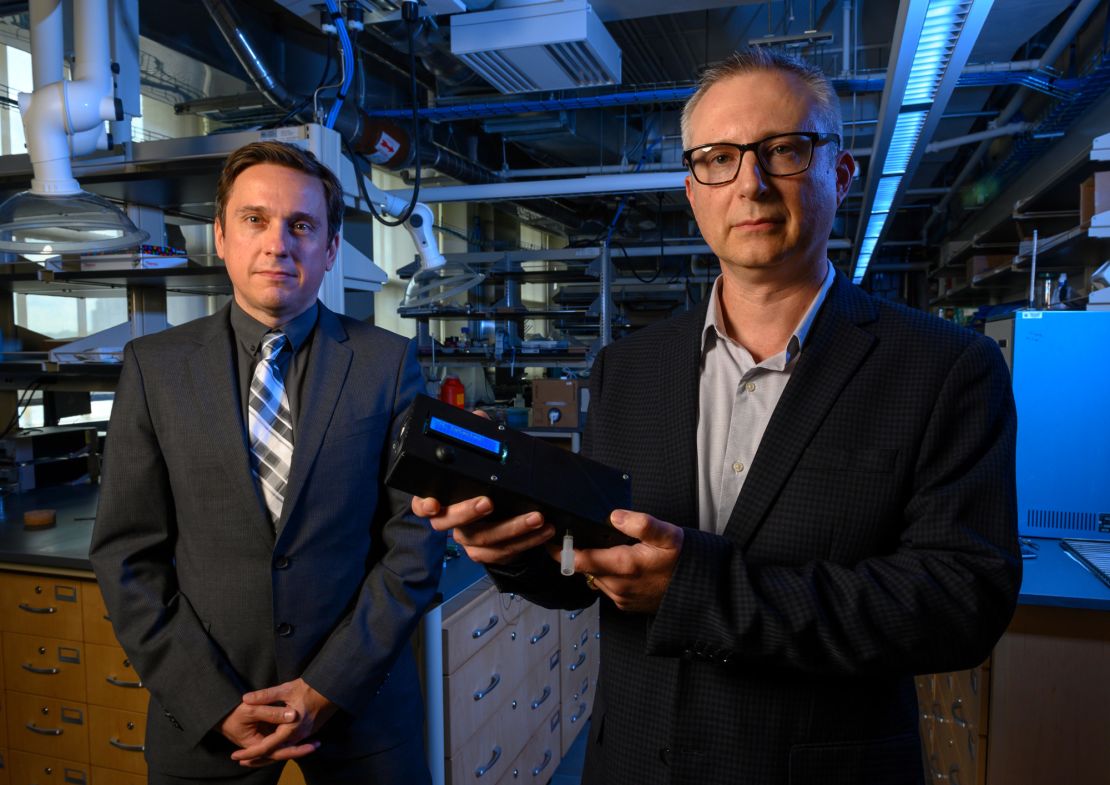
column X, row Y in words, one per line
column 714, row 327
column 249, row 332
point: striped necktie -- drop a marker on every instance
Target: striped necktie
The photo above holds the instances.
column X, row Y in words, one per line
column 271, row 425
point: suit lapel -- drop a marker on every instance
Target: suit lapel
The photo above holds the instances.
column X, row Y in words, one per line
column 834, row 351
column 326, row 375
column 214, row 377
column 680, row 356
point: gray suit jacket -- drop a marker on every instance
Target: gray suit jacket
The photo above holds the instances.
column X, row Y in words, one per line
column 206, row 601
column 875, row 538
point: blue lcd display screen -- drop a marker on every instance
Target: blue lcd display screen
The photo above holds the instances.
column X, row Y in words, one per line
column 484, row 443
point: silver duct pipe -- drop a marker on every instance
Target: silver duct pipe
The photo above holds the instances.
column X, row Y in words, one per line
column 993, row 68
column 1068, row 32
column 980, row 136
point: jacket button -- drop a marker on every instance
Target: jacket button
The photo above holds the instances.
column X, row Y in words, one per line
column 285, row 629
column 282, row 562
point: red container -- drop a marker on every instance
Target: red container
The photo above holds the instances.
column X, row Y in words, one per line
column 452, row 391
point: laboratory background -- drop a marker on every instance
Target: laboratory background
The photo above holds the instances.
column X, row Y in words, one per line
column 514, row 192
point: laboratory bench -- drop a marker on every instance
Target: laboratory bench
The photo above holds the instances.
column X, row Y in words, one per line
column 508, row 685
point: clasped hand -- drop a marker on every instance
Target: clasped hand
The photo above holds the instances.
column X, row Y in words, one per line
column 274, row 724
column 635, row 577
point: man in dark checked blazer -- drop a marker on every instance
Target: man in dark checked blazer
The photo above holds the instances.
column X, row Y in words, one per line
column 268, row 628
column 823, row 485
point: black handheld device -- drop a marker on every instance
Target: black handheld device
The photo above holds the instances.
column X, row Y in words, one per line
column 452, row 455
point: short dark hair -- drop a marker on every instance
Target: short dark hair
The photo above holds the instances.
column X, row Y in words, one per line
column 281, row 154
column 760, row 58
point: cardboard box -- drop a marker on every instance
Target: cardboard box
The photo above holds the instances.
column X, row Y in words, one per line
column 1094, row 196
column 555, row 403
column 979, row 264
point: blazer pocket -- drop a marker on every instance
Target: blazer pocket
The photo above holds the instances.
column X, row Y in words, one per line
column 364, row 427
column 838, row 459
column 895, row 760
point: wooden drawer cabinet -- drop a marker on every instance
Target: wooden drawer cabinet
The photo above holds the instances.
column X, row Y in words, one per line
column 38, row 665
column 479, row 689
column 77, row 713
column 48, row 726
column 116, row 739
column 41, row 605
column 580, row 651
column 540, row 756
column 102, row 776
column 484, row 617
column 94, row 615
column 111, row 680
column 494, row 692
column 30, row 769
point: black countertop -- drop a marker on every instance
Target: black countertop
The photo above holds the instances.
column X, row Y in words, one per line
column 66, row 544
column 1051, row 578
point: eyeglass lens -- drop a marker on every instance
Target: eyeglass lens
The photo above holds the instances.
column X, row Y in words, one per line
column 780, row 156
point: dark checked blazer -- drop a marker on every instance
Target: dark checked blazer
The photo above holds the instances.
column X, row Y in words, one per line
column 206, row 600
column 875, row 538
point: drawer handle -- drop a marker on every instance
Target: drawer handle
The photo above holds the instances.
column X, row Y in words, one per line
column 581, row 711
column 119, row 745
column 579, row 662
column 574, row 614
column 487, row 628
column 32, row 609
column 542, row 633
column 958, row 713
column 539, row 701
column 493, row 682
column 117, row 683
column 543, row 764
column 43, row 671
column 43, row 731
column 496, row 756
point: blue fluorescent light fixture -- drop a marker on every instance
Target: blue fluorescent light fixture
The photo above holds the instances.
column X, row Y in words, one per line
column 907, row 129
column 936, row 47
column 884, row 195
column 943, row 23
column 866, row 248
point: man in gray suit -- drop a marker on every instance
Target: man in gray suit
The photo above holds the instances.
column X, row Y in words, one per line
column 822, row 485
column 260, row 577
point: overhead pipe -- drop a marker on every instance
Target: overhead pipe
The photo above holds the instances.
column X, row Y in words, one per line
column 385, row 143
column 980, row 136
column 1068, row 31
column 63, row 117
column 990, row 68
column 539, row 189
column 227, row 22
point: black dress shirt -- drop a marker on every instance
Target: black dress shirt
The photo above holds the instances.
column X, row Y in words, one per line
column 249, row 333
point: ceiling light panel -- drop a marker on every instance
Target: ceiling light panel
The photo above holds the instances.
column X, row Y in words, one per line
column 546, row 46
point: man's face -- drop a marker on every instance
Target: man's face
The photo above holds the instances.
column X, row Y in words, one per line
column 274, row 241
column 759, row 222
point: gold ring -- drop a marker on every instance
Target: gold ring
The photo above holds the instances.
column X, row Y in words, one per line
column 591, row 581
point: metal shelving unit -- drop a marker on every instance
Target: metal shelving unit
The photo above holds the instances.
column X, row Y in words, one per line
column 1064, row 245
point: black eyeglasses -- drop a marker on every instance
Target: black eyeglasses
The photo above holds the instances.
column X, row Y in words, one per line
column 781, row 155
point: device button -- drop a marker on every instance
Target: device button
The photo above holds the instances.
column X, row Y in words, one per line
column 445, row 454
